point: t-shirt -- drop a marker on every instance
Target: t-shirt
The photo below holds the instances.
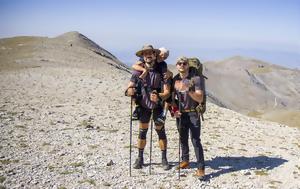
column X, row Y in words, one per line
column 152, row 81
column 186, row 102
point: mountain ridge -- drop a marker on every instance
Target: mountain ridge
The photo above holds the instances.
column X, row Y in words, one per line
column 74, row 46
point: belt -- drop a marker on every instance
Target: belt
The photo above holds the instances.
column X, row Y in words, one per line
column 188, row 110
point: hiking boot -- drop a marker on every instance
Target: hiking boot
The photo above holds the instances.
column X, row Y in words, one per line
column 165, row 164
column 138, row 164
column 160, row 120
column 136, row 113
column 200, row 173
column 184, row 165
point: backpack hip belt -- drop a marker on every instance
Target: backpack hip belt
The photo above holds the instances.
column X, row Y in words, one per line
column 188, row 110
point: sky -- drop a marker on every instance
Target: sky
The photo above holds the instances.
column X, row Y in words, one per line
column 268, row 30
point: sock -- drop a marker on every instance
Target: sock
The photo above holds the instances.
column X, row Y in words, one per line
column 164, row 154
column 141, row 153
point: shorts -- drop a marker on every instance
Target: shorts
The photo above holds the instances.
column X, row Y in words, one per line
column 145, row 114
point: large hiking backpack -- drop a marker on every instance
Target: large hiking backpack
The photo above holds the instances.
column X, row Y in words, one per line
column 196, row 67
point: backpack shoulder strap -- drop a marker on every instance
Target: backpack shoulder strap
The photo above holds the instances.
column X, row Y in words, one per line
column 176, row 77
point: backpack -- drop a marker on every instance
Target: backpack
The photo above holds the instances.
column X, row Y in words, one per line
column 196, row 68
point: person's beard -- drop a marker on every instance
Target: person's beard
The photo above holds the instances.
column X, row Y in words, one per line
column 149, row 62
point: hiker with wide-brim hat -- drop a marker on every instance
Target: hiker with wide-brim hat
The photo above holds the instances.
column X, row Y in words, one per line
column 189, row 90
column 162, row 55
column 150, row 100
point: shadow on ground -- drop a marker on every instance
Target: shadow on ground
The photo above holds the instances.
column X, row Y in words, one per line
column 223, row 165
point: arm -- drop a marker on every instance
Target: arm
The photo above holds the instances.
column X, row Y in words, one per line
column 130, row 89
column 197, row 95
column 138, row 66
column 130, row 84
column 166, row 92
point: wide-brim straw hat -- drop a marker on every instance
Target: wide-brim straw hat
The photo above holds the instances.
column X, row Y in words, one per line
column 146, row 48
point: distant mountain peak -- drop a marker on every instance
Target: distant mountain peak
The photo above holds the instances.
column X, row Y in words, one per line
column 244, row 59
column 237, row 57
column 70, row 34
column 74, row 36
column 58, row 49
column 78, row 39
column 241, row 62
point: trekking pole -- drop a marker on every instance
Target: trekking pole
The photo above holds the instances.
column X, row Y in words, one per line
column 151, row 141
column 179, row 150
column 130, row 137
column 179, row 129
column 202, row 116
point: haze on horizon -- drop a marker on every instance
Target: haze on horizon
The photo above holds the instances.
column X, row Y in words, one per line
column 211, row 30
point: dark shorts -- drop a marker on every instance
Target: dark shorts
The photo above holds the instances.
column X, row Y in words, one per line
column 145, row 114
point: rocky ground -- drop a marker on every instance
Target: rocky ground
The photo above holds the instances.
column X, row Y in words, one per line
column 68, row 127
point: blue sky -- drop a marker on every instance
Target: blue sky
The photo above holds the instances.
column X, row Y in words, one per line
column 211, row 30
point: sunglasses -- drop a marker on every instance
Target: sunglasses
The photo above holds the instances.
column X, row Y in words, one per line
column 182, row 63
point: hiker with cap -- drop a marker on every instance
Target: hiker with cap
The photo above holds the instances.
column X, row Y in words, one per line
column 150, row 95
column 188, row 92
column 140, row 66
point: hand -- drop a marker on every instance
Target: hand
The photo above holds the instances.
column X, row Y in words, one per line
column 154, row 97
column 144, row 74
column 177, row 114
column 130, row 91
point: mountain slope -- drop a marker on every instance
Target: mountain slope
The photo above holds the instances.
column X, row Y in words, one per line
column 71, row 48
column 254, row 87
